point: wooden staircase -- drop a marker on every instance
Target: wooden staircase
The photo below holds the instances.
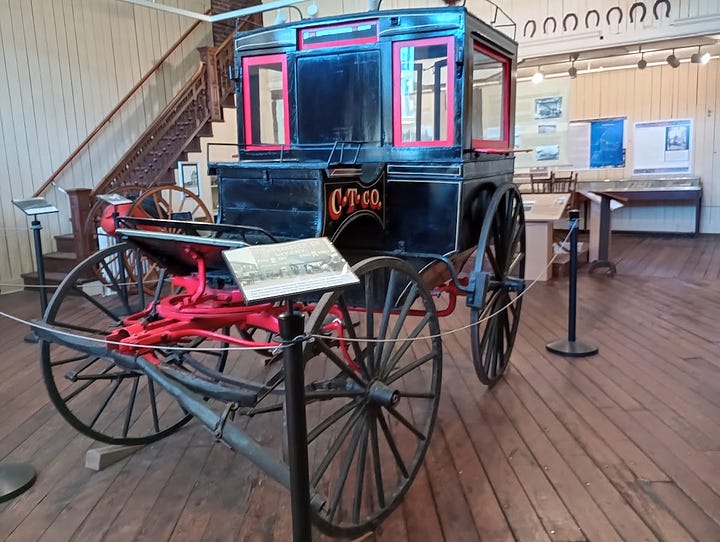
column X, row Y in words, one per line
column 152, row 159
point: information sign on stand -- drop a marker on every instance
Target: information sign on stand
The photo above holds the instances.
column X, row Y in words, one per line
column 114, row 199
column 279, row 270
column 35, row 206
column 286, row 270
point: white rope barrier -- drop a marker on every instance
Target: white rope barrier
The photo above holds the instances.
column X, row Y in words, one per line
column 480, row 321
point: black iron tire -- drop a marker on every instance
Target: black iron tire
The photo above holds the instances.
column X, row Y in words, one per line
column 501, row 254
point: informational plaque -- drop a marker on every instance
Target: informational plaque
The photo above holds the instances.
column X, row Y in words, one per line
column 114, row 199
column 279, row 270
column 35, row 206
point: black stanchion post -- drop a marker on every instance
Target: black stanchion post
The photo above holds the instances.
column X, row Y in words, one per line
column 571, row 347
column 291, row 327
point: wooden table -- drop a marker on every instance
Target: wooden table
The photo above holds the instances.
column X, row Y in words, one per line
column 541, row 211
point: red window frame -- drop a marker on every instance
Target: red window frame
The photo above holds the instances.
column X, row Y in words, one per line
column 247, row 62
column 450, row 92
column 339, row 42
column 503, row 143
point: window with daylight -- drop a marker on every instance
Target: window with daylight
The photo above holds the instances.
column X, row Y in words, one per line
column 423, row 92
column 490, row 99
column 265, row 101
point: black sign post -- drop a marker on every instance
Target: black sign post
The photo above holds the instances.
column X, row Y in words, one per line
column 34, row 207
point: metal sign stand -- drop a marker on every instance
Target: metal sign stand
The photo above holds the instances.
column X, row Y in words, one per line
column 34, row 207
column 291, row 327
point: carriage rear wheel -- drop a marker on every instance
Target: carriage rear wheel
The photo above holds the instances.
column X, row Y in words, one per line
column 500, row 254
column 370, row 405
column 96, row 396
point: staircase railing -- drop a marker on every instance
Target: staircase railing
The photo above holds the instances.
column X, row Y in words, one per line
column 150, row 159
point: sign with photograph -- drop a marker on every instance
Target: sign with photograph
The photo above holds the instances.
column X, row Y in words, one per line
column 597, row 143
column 662, row 147
column 279, row 270
column 548, row 108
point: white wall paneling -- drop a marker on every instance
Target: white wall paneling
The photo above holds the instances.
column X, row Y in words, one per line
column 67, row 63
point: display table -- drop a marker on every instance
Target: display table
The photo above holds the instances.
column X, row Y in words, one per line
column 541, row 211
column 652, row 191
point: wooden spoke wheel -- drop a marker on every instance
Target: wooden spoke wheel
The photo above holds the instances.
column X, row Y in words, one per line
column 370, row 405
column 171, row 202
column 500, row 254
column 96, row 396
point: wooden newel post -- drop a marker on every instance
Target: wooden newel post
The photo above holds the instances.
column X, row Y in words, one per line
column 79, row 211
column 208, row 55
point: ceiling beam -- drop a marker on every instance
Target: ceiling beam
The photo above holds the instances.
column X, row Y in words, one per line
column 243, row 12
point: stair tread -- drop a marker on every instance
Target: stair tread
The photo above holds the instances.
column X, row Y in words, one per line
column 60, row 255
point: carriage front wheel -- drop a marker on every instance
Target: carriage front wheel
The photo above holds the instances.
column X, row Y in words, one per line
column 372, row 385
column 501, row 257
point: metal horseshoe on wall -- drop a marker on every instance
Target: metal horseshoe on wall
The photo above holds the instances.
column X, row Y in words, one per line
column 620, row 13
column 545, row 24
column 587, row 18
column 657, row 5
column 567, row 18
column 642, row 7
column 532, row 23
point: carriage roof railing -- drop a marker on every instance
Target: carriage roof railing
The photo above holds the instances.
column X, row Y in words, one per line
column 347, row 152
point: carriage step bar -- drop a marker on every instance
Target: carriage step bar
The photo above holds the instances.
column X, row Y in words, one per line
column 207, row 388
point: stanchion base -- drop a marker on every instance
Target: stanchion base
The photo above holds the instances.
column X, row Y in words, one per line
column 597, row 264
column 572, row 349
column 31, row 338
column 15, row 478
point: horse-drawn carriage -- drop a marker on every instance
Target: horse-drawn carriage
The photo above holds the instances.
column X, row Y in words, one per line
column 389, row 133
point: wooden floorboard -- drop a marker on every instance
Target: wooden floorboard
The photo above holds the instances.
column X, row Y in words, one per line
column 624, row 445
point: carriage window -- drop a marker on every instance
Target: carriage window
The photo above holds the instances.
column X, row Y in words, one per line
column 330, row 106
column 265, row 102
column 423, row 111
column 490, row 98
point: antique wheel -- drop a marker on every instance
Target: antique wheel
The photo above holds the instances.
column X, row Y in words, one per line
column 501, row 257
column 171, row 202
column 96, row 396
column 370, row 406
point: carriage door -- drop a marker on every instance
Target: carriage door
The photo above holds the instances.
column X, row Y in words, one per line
column 423, row 92
column 490, row 99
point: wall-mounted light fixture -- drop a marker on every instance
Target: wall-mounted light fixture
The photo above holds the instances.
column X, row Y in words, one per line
column 642, row 63
column 572, row 72
column 538, row 76
column 312, row 10
column 673, row 60
column 697, row 58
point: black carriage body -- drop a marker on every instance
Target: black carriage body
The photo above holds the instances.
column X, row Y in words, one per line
column 385, row 131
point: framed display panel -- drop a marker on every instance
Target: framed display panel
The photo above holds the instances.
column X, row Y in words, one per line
column 189, row 176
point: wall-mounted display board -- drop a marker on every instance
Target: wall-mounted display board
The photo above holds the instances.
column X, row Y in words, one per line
column 541, row 123
column 662, row 146
column 597, row 143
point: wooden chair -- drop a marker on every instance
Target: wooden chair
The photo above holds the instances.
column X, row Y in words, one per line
column 565, row 183
column 541, row 183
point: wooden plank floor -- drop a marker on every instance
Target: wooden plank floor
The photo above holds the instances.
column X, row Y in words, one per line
column 621, row 446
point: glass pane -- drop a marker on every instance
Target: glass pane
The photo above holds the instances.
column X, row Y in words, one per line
column 488, row 86
column 266, row 104
column 423, row 92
